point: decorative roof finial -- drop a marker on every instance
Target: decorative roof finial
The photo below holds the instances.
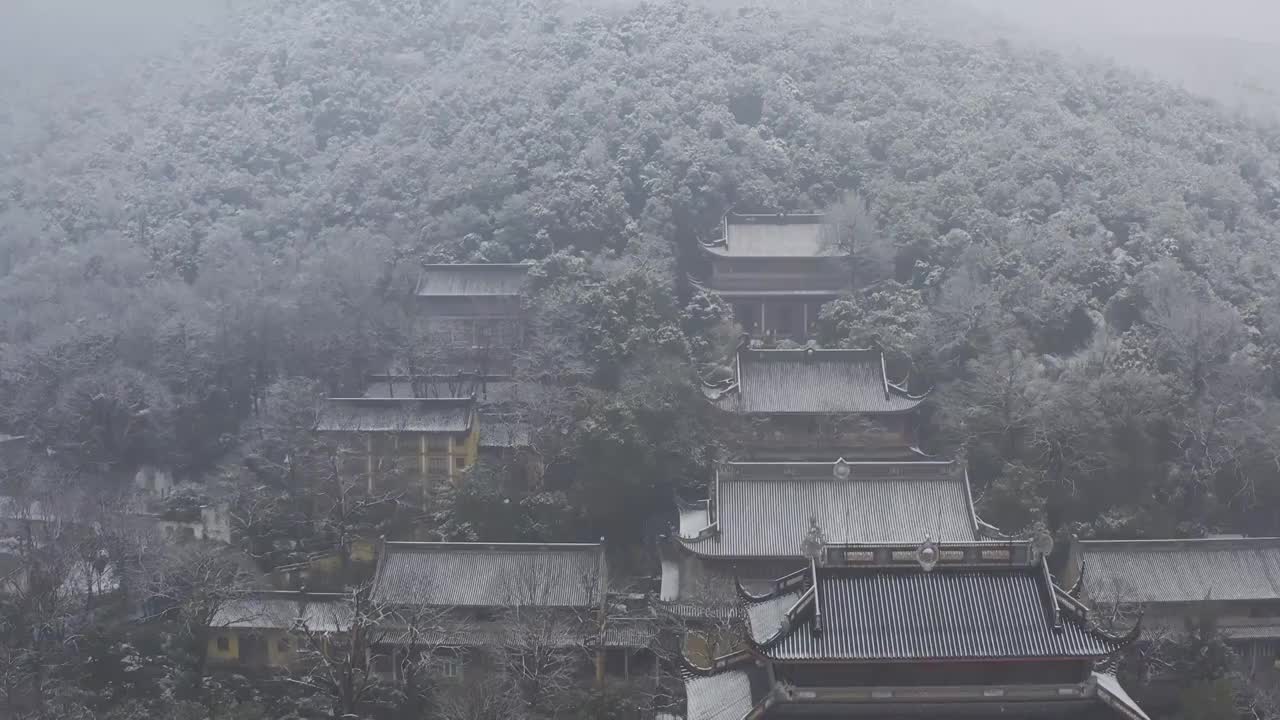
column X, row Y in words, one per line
column 927, row 554
column 841, row 469
column 814, row 540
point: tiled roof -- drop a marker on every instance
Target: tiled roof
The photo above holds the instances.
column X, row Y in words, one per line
column 765, row 236
column 813, row 381
column 947, row 614
column 490, row 575
column 630, row 633
column 562, row 632
column 764, row 509
column 472, row 280
column 1114, row 696
column 1182, row 570
column 323, row 612
column 490, row 392
column 396, row 415
column 724, row 696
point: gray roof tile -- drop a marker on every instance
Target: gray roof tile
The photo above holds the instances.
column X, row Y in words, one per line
column 324, row 612
column 947, row 614
column 396, row 415
column 724, row 696
column 765, row 236
column 492, row 392
column 763, row 509
column 490, row 575
column 472, row 280
column 813, row 381
column 1182, row 570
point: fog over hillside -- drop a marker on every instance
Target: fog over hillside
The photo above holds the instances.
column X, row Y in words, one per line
column 1226, row 50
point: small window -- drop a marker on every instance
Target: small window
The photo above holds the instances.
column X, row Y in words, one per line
column 282, row 645
column 451, row 666
column 437, row 466
column 459, row 464
column 224, row 643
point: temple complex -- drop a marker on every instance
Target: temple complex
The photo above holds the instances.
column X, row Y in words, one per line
column 834, row 569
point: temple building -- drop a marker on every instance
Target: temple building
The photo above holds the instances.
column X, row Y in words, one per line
column 1172, row 583
column 502, row 404
column 757, row 515
column 933, row 629
column 472, row 316
column 812, row 404
column 777, row 270
column 275, row 629
column 470, row 604
column 402, row 443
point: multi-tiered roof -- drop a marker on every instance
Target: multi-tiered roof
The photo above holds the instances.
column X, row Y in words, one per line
column 878, row 629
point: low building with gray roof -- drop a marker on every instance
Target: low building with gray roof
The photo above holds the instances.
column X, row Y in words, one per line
column 1173, row 583
column 811, row 403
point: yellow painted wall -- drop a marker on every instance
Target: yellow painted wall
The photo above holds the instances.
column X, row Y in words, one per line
column 364, row 550
column 232, row 652
column 275, row 656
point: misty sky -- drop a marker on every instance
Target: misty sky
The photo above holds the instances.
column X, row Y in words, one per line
column 1253, row 20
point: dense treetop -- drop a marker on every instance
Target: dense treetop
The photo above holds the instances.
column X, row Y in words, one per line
column 1083, row 261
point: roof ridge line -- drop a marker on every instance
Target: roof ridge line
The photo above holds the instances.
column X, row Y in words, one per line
column 483, row 545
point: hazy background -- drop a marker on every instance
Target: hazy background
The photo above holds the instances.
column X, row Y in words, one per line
column 1226, row 49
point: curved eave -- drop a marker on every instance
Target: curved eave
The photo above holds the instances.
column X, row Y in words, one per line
column 790, row 622
column 718, row 249
column 1081, row 614
column 902, row 392
column 784, row 585
column 707, row 534
column 716, row 391
column 987, row 531
column 718, row 665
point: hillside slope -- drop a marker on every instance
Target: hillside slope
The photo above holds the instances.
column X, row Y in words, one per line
column 1084, row 260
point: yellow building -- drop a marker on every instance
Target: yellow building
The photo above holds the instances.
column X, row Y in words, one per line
column 275, row 629
column 405, row 442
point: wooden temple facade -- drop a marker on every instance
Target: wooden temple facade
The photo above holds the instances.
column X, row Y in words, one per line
column 777, row 270
column 816, row 404
column 472, row 317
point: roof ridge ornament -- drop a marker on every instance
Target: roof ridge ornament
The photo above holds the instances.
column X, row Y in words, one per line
column 927, row 554
column 841, row 470
column 814, row 541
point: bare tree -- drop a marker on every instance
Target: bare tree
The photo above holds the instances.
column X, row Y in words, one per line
column 849, row 227
column 544, row 639
column 189, row 584
column 345, row 643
